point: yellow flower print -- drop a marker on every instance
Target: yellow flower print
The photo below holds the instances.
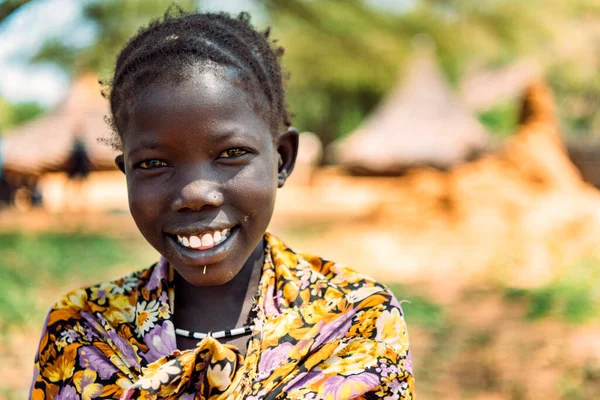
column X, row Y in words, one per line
column 146, row 315
column 120, row 310
column 100, row 293
column 76, row 299
column 220, row 377
column 154, row 379
column 344, row 275
column 84, row 382
column 351, row 358
column 362, row 293
column 364, row 326
column 63, row 367
column 391, row 328
column 163, row 310
column 274, row 331
column 319, row 310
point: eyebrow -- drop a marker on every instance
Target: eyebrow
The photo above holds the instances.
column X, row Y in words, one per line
column 145, row 145
column 230, row 133
column 149, row 144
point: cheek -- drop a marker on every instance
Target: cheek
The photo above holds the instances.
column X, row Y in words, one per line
column 257, row 189
column 144, row 205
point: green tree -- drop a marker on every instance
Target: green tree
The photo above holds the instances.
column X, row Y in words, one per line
column 15, row 114
column 115, row 21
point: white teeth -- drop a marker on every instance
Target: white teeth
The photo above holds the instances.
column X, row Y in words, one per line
column 204, row 241
column 207, row 240
column 195, row 242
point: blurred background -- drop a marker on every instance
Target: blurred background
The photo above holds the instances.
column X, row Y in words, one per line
column 450, row 149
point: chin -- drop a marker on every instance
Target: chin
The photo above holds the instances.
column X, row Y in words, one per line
column 215, row 274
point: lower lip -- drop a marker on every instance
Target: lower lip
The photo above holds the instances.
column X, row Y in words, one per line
column 206, row 257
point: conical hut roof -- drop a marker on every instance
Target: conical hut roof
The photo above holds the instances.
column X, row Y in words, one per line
column 45, row 145
column 420, row 123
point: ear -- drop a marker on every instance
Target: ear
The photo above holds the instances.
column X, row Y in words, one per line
column 120, row 162
column 287, row 150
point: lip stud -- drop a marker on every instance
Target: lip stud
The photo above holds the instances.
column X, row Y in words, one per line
column 204, row 270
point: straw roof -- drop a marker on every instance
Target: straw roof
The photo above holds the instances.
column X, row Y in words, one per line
column 45, row 145
column 487, row 88
column 420, row 123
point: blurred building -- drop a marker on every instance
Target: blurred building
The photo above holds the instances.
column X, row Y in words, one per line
column 421, row 123
column 64, row 146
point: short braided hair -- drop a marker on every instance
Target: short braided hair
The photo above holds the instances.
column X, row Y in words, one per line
column 174, row 44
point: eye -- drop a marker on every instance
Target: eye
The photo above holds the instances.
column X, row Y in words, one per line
column 152, row 164
column 233, row 153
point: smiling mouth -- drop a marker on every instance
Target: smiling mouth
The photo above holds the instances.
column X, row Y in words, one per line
column 204, row 240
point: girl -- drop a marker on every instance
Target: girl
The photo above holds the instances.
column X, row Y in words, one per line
column 229, row 311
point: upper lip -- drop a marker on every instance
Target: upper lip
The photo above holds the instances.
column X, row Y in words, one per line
column 198, row 228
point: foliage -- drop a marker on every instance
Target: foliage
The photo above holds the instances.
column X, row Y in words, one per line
column 502, row 119
column 115, row 22
column 15, row 114
column 573, row 296
column 577, row 89
column 344, row 56
column 419, row 310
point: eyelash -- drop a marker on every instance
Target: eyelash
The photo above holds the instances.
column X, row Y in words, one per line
column 224, row 154
column 145, row 165
column 141, row 164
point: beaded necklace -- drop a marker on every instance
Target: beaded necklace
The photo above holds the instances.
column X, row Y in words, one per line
column 244, row 330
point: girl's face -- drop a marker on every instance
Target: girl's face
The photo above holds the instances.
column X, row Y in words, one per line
column 202, row 172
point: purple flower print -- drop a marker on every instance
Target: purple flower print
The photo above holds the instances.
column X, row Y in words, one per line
column 358, row 385
column 408, row 363
column 163, row 298
column 89, row 334
column 125, row 348
column 92, row 322
column 160, row 341
column 92, row 358
column 334, row 330
column 271, row 305
column 385, row 369
column 87, row 385
column 69, row 335
column 272, row 358
column 161, row 271
column 303, row 380
column 67, row 393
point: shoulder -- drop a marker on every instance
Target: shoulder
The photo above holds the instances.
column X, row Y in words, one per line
column 97, row 298
column 357, row 288
column 303, row 271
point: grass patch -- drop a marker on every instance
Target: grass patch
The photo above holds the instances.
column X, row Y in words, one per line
column 574, row 296
column 56, row 260
column 418, row 310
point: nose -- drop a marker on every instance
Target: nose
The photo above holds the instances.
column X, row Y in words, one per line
column 198, row 194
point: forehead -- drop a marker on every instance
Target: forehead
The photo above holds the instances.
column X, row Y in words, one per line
column 201, row 103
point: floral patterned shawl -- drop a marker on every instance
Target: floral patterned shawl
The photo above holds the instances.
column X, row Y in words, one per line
column 322, row 331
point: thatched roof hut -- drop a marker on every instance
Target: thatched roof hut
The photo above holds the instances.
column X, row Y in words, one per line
column 420, row 123
column 47, row 144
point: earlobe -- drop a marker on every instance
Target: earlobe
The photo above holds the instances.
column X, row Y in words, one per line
column 120, row 162
column 287, row 149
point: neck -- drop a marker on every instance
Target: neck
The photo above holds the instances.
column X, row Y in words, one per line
column 210, row 308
